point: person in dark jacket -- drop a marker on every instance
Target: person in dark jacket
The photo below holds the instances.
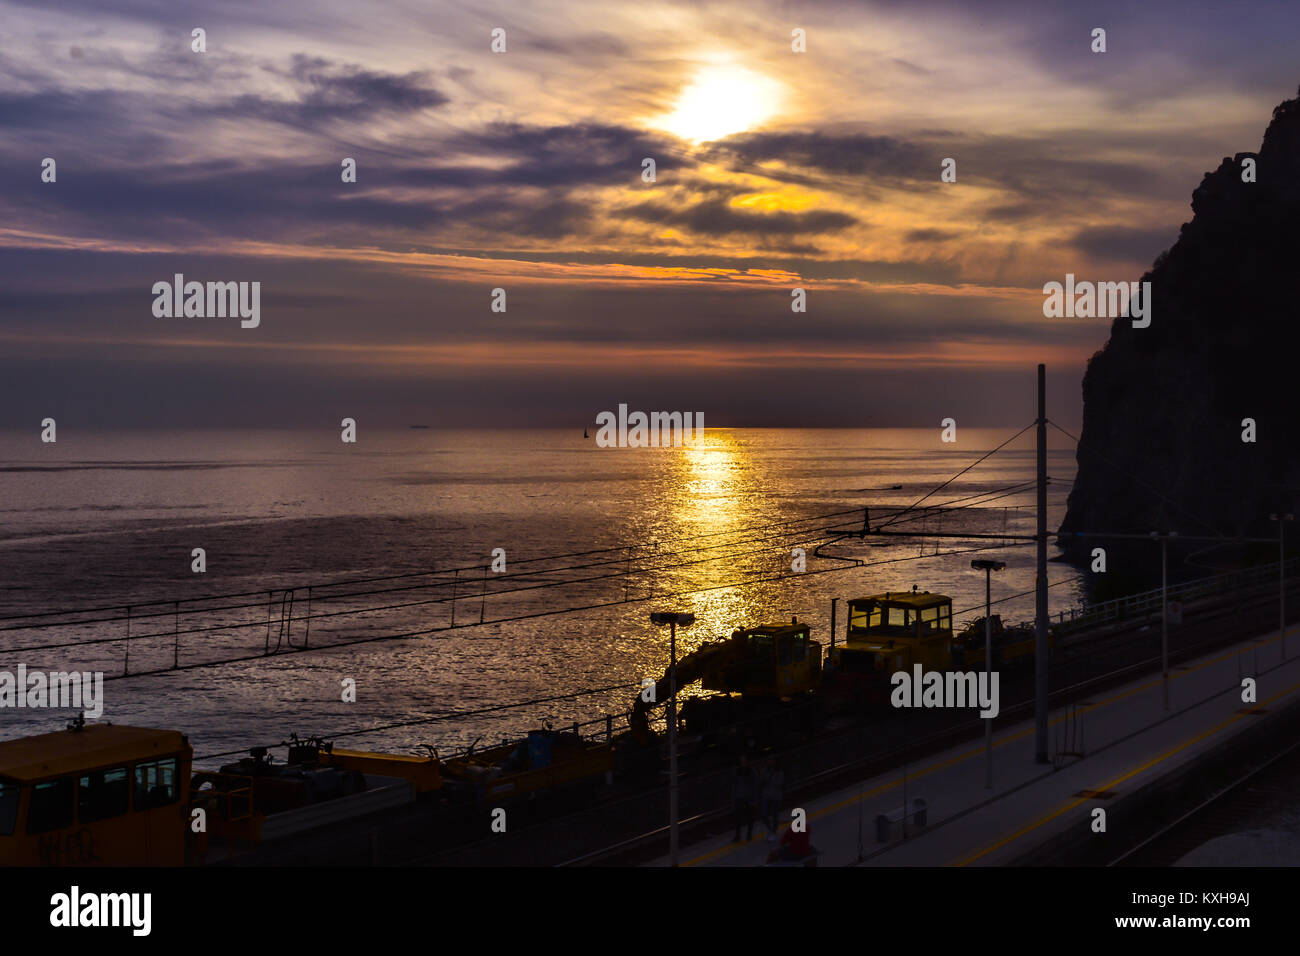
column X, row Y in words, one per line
column 744, row 793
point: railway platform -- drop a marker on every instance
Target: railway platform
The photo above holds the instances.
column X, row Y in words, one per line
column 1120, row 751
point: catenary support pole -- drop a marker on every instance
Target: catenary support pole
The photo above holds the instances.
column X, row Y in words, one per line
column 1040, row 602
column 672, row 742
column 988, row 671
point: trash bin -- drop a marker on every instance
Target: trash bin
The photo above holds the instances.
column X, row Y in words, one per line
column 918, row 812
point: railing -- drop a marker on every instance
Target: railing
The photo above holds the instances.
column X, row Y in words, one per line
column 598, row 730
column 233, row 805
column 1147, row 602
column 230, row 813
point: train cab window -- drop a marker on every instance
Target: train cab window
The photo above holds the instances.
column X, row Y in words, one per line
column 864, row 616
column 51, row 807
column 760, row 646
column 898, row 617
column 945, row 617
column 800, row 648
column 155, row 784
column 929, row 618
column 784, row 651
column 102, row 795
column 8, row 807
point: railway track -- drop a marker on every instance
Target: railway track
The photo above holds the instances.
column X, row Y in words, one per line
column 1250, row 798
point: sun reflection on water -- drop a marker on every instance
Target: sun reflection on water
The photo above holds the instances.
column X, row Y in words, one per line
column 714, row 493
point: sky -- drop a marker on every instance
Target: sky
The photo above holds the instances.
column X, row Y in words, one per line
column 523, row 170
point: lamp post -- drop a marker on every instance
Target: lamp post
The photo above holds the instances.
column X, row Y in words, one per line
column 1281, row 520
column 988, row 567
column 672, row 619
column 1164, row 537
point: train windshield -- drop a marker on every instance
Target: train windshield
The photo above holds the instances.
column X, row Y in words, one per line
column 936, row 618
column 864, row 616
column 870, row 616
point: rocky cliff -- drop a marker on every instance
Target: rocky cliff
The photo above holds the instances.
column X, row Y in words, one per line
column 1161, row 446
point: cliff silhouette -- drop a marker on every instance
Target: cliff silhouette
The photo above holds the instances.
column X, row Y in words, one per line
column 1161, row 446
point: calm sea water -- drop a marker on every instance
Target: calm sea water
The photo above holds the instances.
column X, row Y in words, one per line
column 111, row 519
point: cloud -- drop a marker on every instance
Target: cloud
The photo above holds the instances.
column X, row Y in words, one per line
column 932, row 235
column 880, row 157
column 1125, row 242
column 715, row 217
column 571, row 154
column 330, row 91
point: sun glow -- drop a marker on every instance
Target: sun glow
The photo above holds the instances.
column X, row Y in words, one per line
column 722, row 100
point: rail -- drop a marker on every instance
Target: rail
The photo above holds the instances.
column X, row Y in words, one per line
column 1147, row 602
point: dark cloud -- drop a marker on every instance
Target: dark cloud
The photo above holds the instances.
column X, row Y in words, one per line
column 582, row 45
column 331, row 91
column 107, row 394
column 1156, row 51
column 525, row 215
column 932, row 235
column 216, row 199
column 109, row 297
column 1015, row 212
column 47, row 108
column 878, row 157
column 715, row 217
column 1125, row 242
column 575, row 154
column 911, row 67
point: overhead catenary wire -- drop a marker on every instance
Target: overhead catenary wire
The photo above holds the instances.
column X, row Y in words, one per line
column 569, row 695
column 372, row 609
column 307, row 618
column 447, row 571
column 979, row 498
column 1138, row 481
column 977, row 461
column 408, row 635
column 620, row 551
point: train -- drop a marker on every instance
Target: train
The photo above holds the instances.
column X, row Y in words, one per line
column 129, row 796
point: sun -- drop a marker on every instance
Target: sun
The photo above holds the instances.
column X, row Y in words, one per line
column 722, row 100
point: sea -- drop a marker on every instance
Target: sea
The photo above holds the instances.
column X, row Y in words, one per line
column 425, row 587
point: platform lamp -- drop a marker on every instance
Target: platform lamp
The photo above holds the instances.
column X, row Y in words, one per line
column 988, row 567
column 1281, row 520
column 672, row 619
